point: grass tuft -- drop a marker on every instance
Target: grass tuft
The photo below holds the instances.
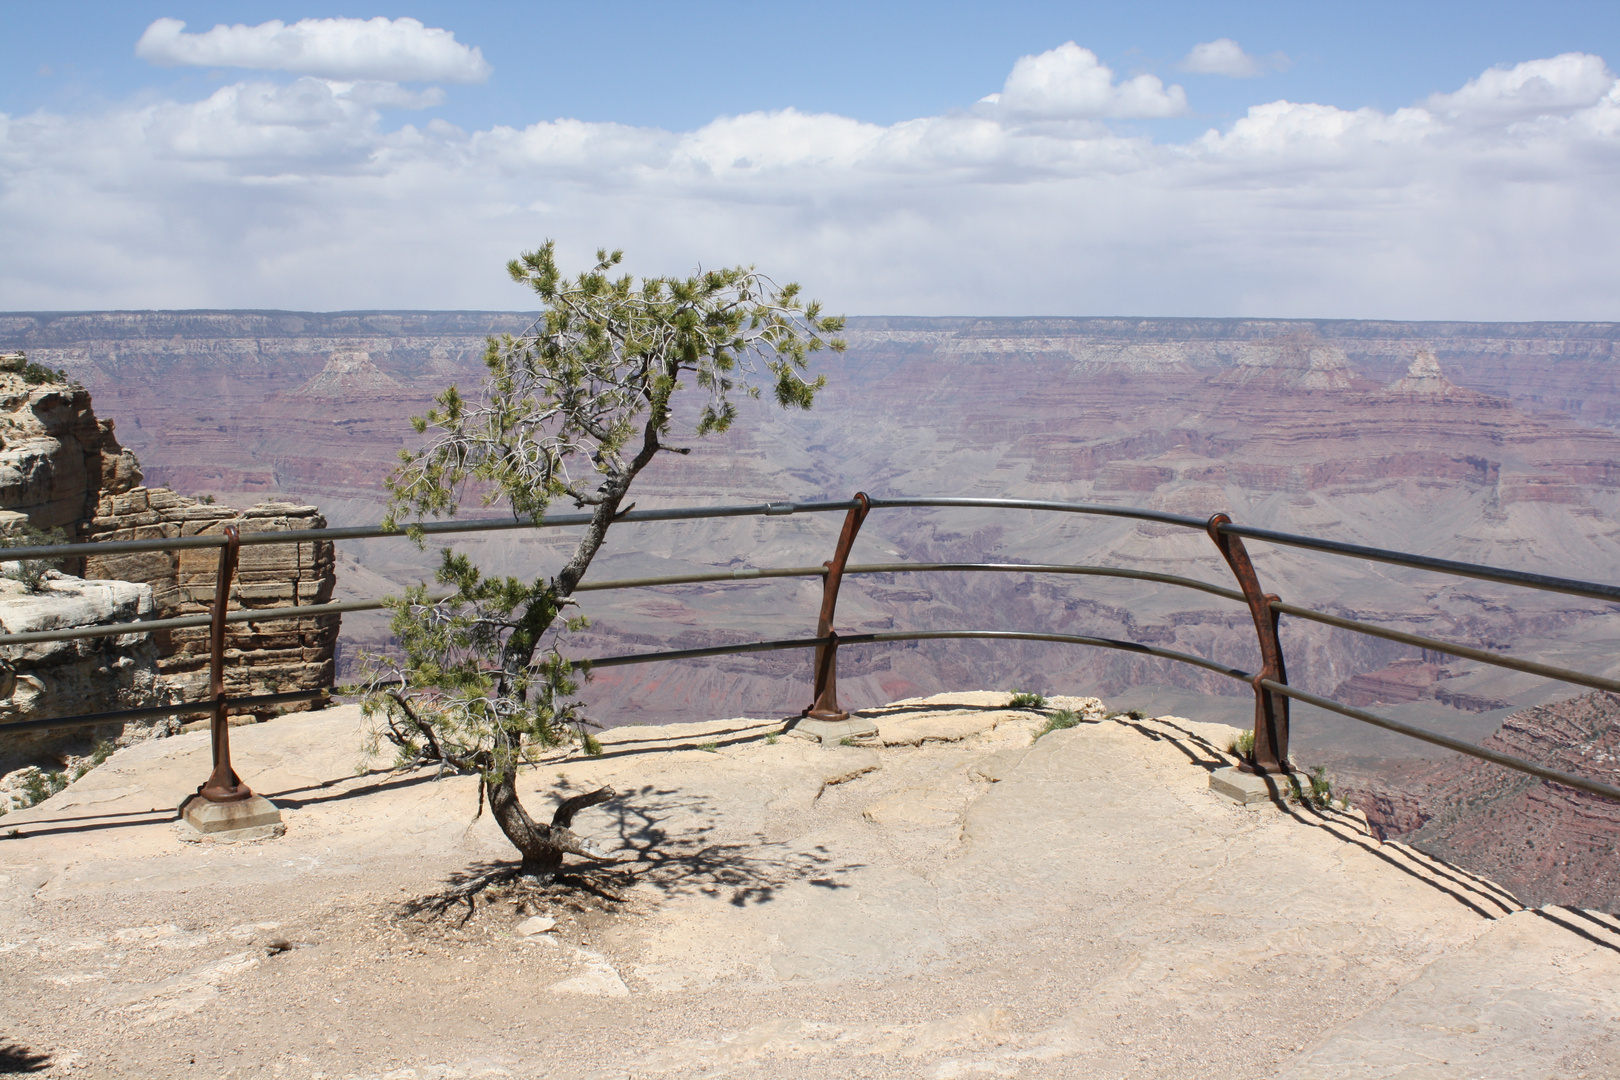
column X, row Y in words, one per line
column 1022, row 700
column 1242, row 745
column 1057, row 721
column 709, row 747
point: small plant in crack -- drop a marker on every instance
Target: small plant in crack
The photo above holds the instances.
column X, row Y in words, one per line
column 1320, row 795
column 1241, row 745
column 1057, row 721
column 1024, row 700
column 710, row 747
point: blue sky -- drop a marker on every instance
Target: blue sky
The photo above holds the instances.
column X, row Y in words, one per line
column 843, row 144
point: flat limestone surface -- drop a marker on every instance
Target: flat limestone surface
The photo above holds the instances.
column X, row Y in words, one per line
column 946, row 899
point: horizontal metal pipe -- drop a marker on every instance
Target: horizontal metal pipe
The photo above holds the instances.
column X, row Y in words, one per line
column 182, row 622
column 1048, row 568
column 1451, row 648
column 1543, row 582
column 695, row 579
column 431, row 528
column 158, row 712
column 1508, row 760
column 1043, row 504
column 256, row 615
column 916, row 635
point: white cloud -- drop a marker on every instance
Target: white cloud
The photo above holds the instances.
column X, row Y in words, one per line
column 1069, row 83
column 1493, row 202
column 1223, row 56
column 401, row 50
column 1554, row 87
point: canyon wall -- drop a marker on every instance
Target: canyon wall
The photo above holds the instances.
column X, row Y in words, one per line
column 1497, row 443
column 63, row 474
column 1465, row 440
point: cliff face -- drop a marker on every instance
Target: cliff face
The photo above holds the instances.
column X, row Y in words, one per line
column 62, row 469
column 1420, row 436
column 56, row 458
column 1547, row 843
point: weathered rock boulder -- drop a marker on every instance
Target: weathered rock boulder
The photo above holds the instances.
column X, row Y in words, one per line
column 56, row 458
column 74, row 677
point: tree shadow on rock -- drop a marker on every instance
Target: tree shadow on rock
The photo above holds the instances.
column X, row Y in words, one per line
column 15, row 1059
column 669, row 843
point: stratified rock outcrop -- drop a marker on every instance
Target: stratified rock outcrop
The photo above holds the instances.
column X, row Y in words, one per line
column 56, row 458
column 62, row 470
column 1548, row 843
column 272, row 657
column 66, row 678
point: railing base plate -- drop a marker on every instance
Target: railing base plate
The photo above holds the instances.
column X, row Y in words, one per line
column 834, row 732
column 229, row 821
column 1247, row 788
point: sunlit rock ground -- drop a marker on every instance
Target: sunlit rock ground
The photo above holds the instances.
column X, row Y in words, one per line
column 951, row 900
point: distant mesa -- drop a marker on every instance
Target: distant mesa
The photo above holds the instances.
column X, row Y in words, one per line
column 347, row 373
column 1424, row 377
column 1292, row 363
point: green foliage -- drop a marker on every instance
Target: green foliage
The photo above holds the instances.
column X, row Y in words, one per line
column 1022, row 700
column 598, row 375
column 39, row 375
column 1057, row 721
column 1320, row 795
column 772, row 739
column 40, row 785
column 710, row 747
column 572, row 410
column 98, row 755
column 1242, row 745
column 31, row 572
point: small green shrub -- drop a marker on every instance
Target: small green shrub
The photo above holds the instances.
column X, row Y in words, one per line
column 772, row 739
column 41, row 785
column 1022, row 700
column 713, row 748
column 38, row 374
column 1321, row 794
column 100, row 753
column 592, row 745
column 1242, row 745
column 31, row 572
column 1057, row 721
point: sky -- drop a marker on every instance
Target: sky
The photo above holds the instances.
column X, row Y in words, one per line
column 1407, row 160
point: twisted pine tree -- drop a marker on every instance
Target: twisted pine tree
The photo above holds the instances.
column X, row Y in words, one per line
column 575, row 410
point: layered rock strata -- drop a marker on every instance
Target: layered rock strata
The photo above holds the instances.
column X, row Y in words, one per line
column 56, row 458
column 276, row 656
column 63, row 472
column 1548, row 843
column 64, row 678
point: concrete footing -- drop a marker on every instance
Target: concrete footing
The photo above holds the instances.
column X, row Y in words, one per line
column 1246, row 788
column 833, row 732
column 254, row 818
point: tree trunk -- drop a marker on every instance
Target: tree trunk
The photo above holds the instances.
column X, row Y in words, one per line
column 542, row 846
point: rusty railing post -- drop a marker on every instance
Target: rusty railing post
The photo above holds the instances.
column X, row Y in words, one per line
column 223, row 786
column 826, row 705
column 1270, row 709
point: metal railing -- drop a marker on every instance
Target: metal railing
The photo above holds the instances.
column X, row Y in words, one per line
column 1270, row 685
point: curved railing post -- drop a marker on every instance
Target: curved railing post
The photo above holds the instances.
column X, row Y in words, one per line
column 825, row 705
column 223, row 785
column 1270, row 709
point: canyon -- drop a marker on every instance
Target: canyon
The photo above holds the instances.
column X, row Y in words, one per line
column 1496, row 443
